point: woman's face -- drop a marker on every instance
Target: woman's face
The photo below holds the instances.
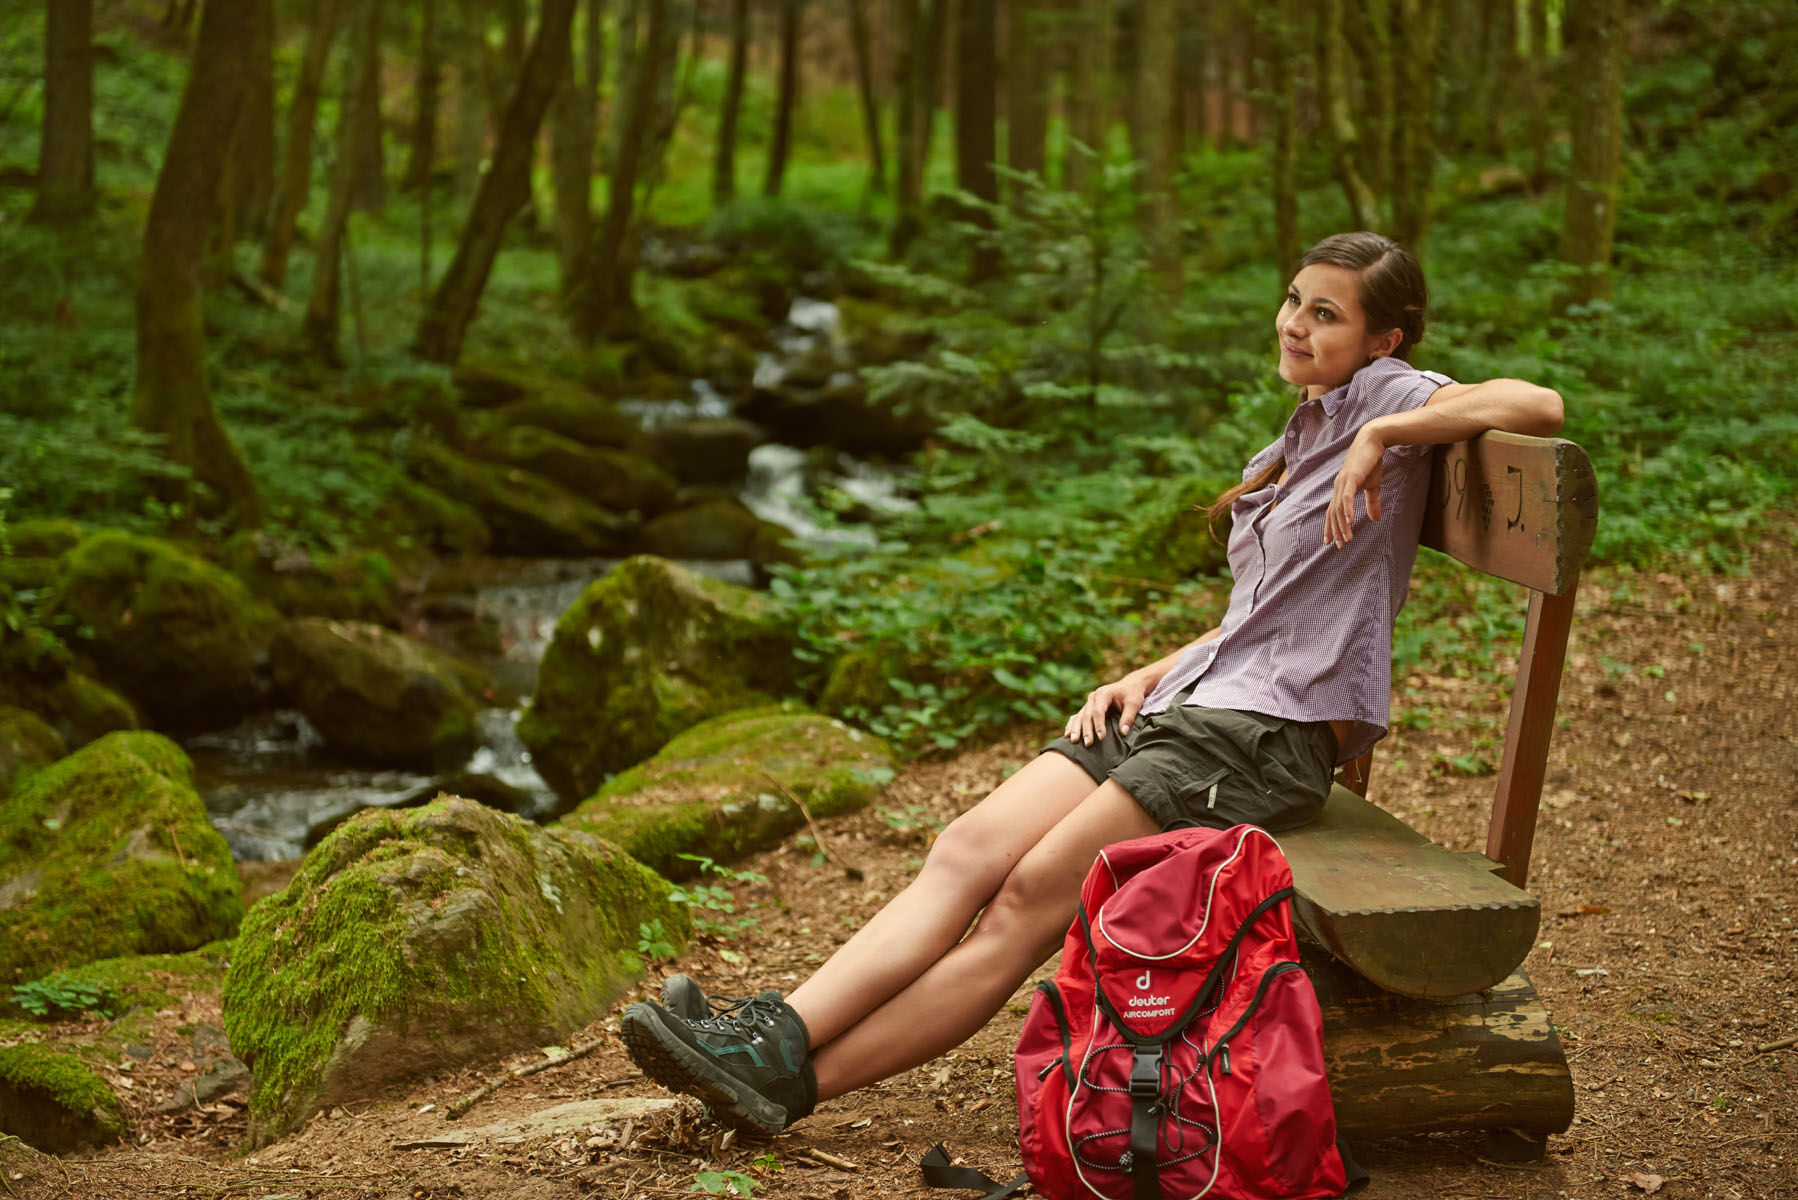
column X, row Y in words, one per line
column 1323, row 331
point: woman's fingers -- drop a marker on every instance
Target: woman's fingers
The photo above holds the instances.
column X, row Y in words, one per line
column 1132, row 706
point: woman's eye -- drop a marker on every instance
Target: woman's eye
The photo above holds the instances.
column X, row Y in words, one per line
column 1292, row 298
column 1324, row 314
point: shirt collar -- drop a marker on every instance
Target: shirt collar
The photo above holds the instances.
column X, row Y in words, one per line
column 1332, row 399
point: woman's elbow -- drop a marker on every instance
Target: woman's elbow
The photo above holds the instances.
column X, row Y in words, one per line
column 1549, row 412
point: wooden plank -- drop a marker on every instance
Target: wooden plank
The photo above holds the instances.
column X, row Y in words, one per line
column 1522, row 508
column 1403, row 912
column 1532, row 724
column 1488, row 1061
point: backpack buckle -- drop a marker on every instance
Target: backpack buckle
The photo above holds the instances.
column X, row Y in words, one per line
column 1145, row 1073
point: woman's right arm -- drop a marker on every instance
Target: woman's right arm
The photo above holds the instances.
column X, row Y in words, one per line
column 1127, row 695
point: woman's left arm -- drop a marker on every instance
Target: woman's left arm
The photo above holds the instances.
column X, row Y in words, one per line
column 1454, row 413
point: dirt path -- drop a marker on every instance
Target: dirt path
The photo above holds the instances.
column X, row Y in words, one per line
column 1665, row 863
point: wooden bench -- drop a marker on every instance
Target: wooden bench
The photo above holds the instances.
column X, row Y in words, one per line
column 1401, row 917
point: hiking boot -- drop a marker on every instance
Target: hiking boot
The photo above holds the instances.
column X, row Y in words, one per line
column 685, row 998
column 750, row 1062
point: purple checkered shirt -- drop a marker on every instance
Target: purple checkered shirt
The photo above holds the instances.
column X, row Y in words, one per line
column 1308, row 634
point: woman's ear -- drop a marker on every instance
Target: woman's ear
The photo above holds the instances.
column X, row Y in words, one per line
column 1387, row 343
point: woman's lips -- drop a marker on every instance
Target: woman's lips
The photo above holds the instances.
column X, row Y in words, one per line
column 1294, row 351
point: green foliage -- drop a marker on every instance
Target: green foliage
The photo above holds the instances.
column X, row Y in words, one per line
column 724, row 1183
column 713, row 906
column 62, row 994
column 653, row 940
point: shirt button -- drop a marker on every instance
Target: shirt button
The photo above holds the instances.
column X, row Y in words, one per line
column 1291, row 434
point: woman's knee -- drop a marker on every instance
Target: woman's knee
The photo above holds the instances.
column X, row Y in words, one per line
column 966, row 857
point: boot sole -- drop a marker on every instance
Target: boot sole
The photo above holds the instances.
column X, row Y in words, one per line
column 665, row 1058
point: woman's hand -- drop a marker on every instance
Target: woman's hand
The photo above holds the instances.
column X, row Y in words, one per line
column 1127, row 694
column 1361, row 470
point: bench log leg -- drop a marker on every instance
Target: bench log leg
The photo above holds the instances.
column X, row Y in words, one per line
column 1488, row 1061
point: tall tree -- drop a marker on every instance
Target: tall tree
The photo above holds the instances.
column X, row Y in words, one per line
column 1089, row 88
column 296, row 161
column 917, row 69
column 251, row 164
column 1414, row 147
column 65, row 172
column 1369, row 31
column 471, row 107
column 1541, row 89
column 428, row 94
column 786, row 98
column 574, row 134
column 976, row 114
column 724, row 159
column 368, row 152
column 1027, row 92
column 1279, row 41
column 864, row 84
column 504, row 189
column 604, row 278
column 319, row 327
column 1157, row 44
column 171, row 397
column 1333, row 58
column 1594, row 32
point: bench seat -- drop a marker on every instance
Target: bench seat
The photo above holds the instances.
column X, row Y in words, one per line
column 1403, row 912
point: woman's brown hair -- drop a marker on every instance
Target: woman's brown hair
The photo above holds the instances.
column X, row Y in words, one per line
column 1393, row 295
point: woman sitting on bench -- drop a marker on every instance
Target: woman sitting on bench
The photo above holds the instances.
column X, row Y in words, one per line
column 1244, row 724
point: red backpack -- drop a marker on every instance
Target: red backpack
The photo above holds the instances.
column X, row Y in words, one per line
column 1178, row 1052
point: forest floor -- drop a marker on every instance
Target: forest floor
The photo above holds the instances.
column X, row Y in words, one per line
column 1668, row 956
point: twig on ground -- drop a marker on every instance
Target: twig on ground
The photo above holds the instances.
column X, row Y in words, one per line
column 176, row 838
column 493, row 1085
column 849, row 869
column 1781, row 1044
column 829, row 1159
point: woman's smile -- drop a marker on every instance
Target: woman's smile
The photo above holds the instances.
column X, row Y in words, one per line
column 1323, row 331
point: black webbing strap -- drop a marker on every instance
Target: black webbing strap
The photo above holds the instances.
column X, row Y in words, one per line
column 1145, row 1121
column 1353, row 1172
column 939, row 1172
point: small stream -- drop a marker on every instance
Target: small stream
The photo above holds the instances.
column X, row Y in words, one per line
column 268, row 782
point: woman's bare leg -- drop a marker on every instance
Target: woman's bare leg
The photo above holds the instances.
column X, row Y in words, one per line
column 1021, row 927
column 966, row 866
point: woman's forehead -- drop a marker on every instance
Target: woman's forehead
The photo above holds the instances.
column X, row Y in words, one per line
column 1327, row 281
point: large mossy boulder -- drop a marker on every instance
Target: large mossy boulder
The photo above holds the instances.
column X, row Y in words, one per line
column 417, row 515
column 109, row 852
column 580, row 416
column 184, row 639
column 527, row 513
column 719, row 529
column 356, row 586
column 375, row 696
column 27, row 742
column 708, row 449
column 613, row 479
column 728, row 786
column 78, row 707
column 416, row 941
column 646, row 652
column 52, row 1098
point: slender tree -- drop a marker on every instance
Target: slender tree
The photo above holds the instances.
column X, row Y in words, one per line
column 471, row 97
column 787, row 97
column 251, row 164
column 1333, row 56
column 171, row 397
column 296, row 159
column 1414, row 149
column 917, row 67
column 864, row 83
column 1089, row 88
column 724, row 159
column 1594, row 30
column 1157, row 44
column 368, row 152
column 1027, row 92
column 1280, row 44
column 1541, row 89
column 1369, row 32
column 427, row 92
column 574, row 134
column 65, row 173
column 319, row 327
column 504, row 190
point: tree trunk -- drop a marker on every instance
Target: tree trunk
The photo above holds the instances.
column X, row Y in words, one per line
column 368, row 151
column 504, row 190
column 595, row 300
column 573, row 136
column 1369, row 32
column 1281, row 58
column 1541, row 90
column 1594, row 31
column 471, row 99
column 252, row 159
column 1333, row 55
column 1089, row 86
column 1414, row 150
column 320, row 325
column 976, row 115
column 917, row 69
column 1027, row 81
column 1157, row 42
column 296, row 161
column 787, row 97
column 171, row 397
column 429, row 91
column 1499, row 72
column 65, row 172
column 864, row 82
column 724, row 159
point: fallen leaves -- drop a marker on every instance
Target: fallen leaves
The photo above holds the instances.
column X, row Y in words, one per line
column 1644, row 1182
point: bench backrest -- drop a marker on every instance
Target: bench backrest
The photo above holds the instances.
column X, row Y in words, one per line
column 1524, row 509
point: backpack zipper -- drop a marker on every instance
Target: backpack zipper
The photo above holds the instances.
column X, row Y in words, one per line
column 1220, row 1049
column 1053, row 994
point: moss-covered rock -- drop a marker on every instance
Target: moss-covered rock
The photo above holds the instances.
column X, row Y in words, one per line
column 721, row 528
column 375, row 696
column 357, row 586
column 52, row 1099
column 708, row 449
column 27, row 742
column 182, row 638
column 419, row 940
column 725, row 787
column 580, row 416
column 527, row 513
column 419, row 516
column 611, row 478
column 78, row 707
column 110, row 852
column 646, row 652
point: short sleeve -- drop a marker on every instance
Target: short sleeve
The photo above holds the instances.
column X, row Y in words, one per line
column 1387, row 386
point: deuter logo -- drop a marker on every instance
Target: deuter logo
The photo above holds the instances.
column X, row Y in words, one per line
column 1143, row 983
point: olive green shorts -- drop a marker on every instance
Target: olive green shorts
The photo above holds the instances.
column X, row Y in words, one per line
column 1215, row 767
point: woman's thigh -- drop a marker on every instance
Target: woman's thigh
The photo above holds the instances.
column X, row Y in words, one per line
column 980, row 847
